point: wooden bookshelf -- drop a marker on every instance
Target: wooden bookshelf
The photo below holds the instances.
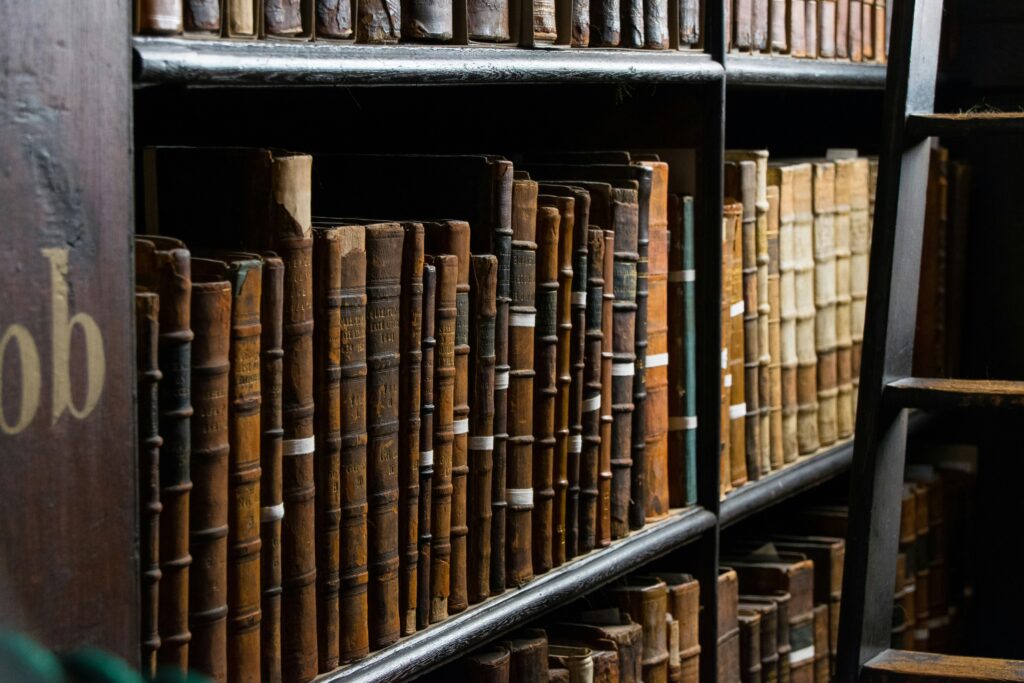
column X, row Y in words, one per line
column 784, row 72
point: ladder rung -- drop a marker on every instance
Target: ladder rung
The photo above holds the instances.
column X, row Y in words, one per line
column 898, row 666
column 936, row 394
column 989, row 123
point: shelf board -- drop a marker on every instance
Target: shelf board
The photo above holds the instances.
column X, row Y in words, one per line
column 764, row 70
column 254, row 63
column 456, row 635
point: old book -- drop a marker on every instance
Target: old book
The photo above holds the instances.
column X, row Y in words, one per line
column 776, row 443
column 690, row 22
column 854, row 42
column 603, row 650
column 730, row 213
column 759, row 23
column 827, row 28
column 165, row 268
column 638, row 471
column 728, row 626
column 655, row 366
column 521, row 325
column 208, row 513
column 631, row 13
column 605, row 25
column 844, row 311
column 445, row 314
column 880, row 27
column 429, row 22
column 528, row 656
column 656, row 24
column 490, row 665
column 202, row 16
column 426, row 460
column 240, row 18
column 605, row 471
column 821, row 662
column 825, row 299
column 147, row 365
column 452, row 237
column 768, row 646
column 545, row 29
column 736, row 378
column 488, row 22
column 577, row 661
column 742, row 20
column 618, row 627
column 271, row 436
column 684, row 606
column 409, row 387
column 333, row 19
column 591, row 493
column 645, row 599
column 378, row 21
column 811, row 27
column 483, row 310
column 842, row 28
column 860, row 231
column 796, row 28
column 867, row 30
column 778, row 39
column 283, row 18
column 682, row 355
column 158, row 17
column 775, row 605
column 750, row 645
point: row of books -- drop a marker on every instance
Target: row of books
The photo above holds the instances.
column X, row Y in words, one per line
column 577, row 23
column 795, row 240
column 854, row 30
column 350, row 429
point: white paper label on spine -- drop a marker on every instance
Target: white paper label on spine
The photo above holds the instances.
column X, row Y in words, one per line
column 519, row 496
column 426, row 458
column 727, row 381
column 736, row 309
column 725, row 358
column 681, row 424
column 272, row 513
column 801, row 655
column 579, row 298
column 460, row 427
column 688, row 275
column 522, row 320
column 481, row 443
column 737, row 411
column 623, row 369
column 657, row 360
column 575, row 443
column 298, row 446
column 591, row 404
column 501, row 380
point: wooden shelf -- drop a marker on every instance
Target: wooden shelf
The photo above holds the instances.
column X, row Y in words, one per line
column 457, row 635
column 776, row 72
column 270, row 63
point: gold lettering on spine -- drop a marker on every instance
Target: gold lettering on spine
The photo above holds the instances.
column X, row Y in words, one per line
column 30, row 377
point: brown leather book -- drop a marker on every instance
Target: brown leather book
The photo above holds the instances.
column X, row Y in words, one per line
column 271, row 435
column 452, row 237
column 580, row 23
column 842, row 29
column 565, row 206
column 383, row 303
column 777, row 605
column 638, row 468
column 605, row 471
column 623, row 631
column 490, row 665
column 283, row 18
column 163, row 265
column 769, row 642
column 147, row 339
column 655, row 366
column 488, row 22
column 750, row 646
column 327, row 264
column 853, row 36
column 158, row 17
column 208, row 514
column 742, row 19
column 426, row 460
column 759, row 26
column 631, row 18
column 811, row 28
column 656, row 24
column 823, row 178
column 776, row 431
column 782, row 177
column 426, row 21
column 778, row 39
column 333, row 19
column 844, row 310
column 409, row 387
column 605, row 24
column 577, row 661
column 690, row 23
column 483, row 310
column 528, row 656
column 682, row 368
column 444, row 406
column 826, row 29
column 867, row 30
column 545, row 387
column 645, row 599
column 860, row 234
column 797, row 28
column 728, row 626
column 736, row 378
column 730, row 214
column 684, row 605
column 203, row 16
column 545, row 29
column 521, row 323
column 590, row 457
column 378, row 21
column 821, row 665
column 880, row 27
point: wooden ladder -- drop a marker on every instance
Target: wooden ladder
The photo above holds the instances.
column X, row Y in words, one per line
column 887, row 388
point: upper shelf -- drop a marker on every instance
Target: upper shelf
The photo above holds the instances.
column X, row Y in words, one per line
column 757, row 70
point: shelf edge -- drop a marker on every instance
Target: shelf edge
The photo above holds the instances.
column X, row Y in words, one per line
column 765, row 71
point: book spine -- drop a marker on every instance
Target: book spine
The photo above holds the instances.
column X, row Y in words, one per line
column 825, row 299
column 208, row 520
column 444, row 405
column 484, row 280
column 293, row 241
column 763, row 311
column 147, row 364
column 797, row 28
column 378, row 21
column 202, row 16
column 284, row 17
column 605, row 472
column 244, row 472
column 867, row 30
column 544, row 23
column 880, row 31
column 844, row 340
column 458, row 244
column 240, row 18
column 853, row 36
column 689, row 22
column 488, row 21
column 751, row 338
column 776, row 440
column 782, row 177
column 327, row 425
column 821, row 664
column 271, row 435
column 778, row 40
column 175, row 411
column 577, row 367
column 638, row 432
column 811, row 27
column 411, row 360
column 750, row 647
column 631, row 13
column 590, row 456
column 859, row 236
column 842, row 29
column 333, row 19
column 803, row 286
column 426, row 457
column 605, row 26
column 160, row 17
column 647, row 604
column 580, row 23
column 725, row 388
column 383, row 298
column 521, row 325
column 656, row 24
column 737, row 345
column 354, row 638
column 427, row 21
column 682, row 480
column 827, row 28
column 759, row 26
column 742, row 24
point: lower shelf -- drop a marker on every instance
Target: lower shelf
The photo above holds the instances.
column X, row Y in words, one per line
column 453, row 637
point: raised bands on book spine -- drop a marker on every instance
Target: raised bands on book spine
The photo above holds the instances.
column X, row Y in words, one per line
column 333, row 18
column 590, row 458
column 638, row 434
column 682, row 441
column 159, row 17
column 776, row 431
column 426, row 457
column 605, row 471
column 824, row 174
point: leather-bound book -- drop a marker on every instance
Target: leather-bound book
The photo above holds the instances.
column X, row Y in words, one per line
column 565, row 207
column 500, row 227
column 656, row 25
column 844, row 311
column 208, row 513
column 867, row 29
column 579, row 661
column 452, row 237
column 768, row 613
column 427, row 21
column 778, row 38
column 742, row 19
column 602, row 650
column 824, row 173
column 426, row 460
column 488, row 21
column 409, row 387
column 842, row 29
column 645, row 599
column 164, row 266
column 759, row 26
column 545, row 28
column 488, row 666
column 580, row 23
column 483, row 310
column 821, row 665
column 638, row 471
column 682, row 355
column 728, row 626
column 528, row 656
column 147, row 365
column 605, row 471
column 521, row 324
column 689, row 23
column 283, row 18
column 545, row 387
column 631, row 17
column 383, row 304
column 854, row 40
column 271, row 435
column 826, row 29
column 327, row 277
column 776, row 604
column 618, row 627
column 655, row 367
column 797, row 28
column 203, row 16
column 776, row 442
column 881, row 30
column 860, row 232
column 378, row 21
column 605, row 25
column 158, row 17
column 684, row 606
column 333, row 19
column 750, row 646
column 736, row 378
column 811, row 27
column 590, row 457
column 782, row 177
column 444, row 406
column 675, row 670
column 730, row 214
column 239, row 18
